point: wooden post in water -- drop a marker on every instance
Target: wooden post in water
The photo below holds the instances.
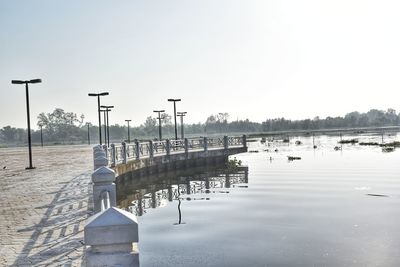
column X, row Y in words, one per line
column 205, row 143
column 244, row 140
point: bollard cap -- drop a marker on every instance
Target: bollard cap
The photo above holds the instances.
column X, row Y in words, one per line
column 100, row 162
column 97, row 147
column 103, row 175
column 112, row 226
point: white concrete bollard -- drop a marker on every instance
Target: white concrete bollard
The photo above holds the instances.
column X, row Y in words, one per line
column 103, row 180
column 112, row 236
column 100, row 161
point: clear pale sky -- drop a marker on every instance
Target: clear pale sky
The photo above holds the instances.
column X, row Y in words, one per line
column 253, row 59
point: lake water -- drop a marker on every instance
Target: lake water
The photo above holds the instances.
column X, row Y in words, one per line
column 331, row 208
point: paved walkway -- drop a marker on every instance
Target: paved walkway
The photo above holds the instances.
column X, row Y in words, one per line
column 43, row 211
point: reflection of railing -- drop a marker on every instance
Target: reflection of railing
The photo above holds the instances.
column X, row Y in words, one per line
column 117, row 154
column 149, row 195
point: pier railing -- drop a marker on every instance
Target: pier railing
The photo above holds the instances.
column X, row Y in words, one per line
column 121, row 153
column 112, row 234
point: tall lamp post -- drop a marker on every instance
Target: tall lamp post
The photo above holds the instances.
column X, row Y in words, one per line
column 41, row 134
column 175, row 100
column 98, row 109
column 88, row 132
column 129, row 135
column 182, row 114
column 28, row 115
column 159, row 123
column 107, row 109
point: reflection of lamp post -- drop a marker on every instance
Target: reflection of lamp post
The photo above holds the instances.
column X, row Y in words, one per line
column 28, row 115
column 107, row 109
column 129, row 135
column 175, row 100
column 41, row 134
column 159, row 123
column 182, row 114
column 98, row 109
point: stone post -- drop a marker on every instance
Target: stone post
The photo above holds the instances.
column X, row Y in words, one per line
column 137, row 148
column 226, row 142
column 151, row 151
column 113, row 159
column 112, row 237
column 105, row 149
column 124, row 156
column 100, row 161
column 244, row 140
column 186, row 146
column 205, row 143
column 168, row 146
column 103, row 180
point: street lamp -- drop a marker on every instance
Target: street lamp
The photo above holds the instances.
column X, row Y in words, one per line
column 175, row 100
column 88, row 132
column 159, row 123
column 182, row 114
column 41, row 134
column 107, row 109
column 28, row 115
column 129, row 136
column 98, row 109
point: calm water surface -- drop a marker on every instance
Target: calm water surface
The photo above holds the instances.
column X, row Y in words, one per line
column 321, row 210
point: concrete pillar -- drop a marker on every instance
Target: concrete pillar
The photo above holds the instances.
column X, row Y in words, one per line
column 97, row 148
column 103, row 180
column 105, row 149
column 113, row 159
column 205, row 143
column 112, row 236
column 137, row 149
column 124, row 155
column 226, row 142
column 186, row 148
column 168, row 147
column 151, row 151
column 100, row 161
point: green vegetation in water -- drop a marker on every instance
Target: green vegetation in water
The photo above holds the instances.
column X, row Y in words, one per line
column 233, row 164
column 369, row 144
column 350, row 141
column 391, row 144
column 298, row 142
column 387, row 149
column 291, row 158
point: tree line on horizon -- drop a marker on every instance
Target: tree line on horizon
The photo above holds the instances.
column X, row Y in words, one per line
column 61, row 127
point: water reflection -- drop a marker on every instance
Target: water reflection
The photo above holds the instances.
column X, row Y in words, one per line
column 138, row 194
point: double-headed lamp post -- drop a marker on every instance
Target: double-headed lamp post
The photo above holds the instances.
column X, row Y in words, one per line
column 98, row 109
column 182, row 114
column 28, row 115
column 129, row 134
column 175, row 100
column 106, row 122
column 159, row 122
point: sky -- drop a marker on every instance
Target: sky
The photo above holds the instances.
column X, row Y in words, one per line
column 254, row 59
